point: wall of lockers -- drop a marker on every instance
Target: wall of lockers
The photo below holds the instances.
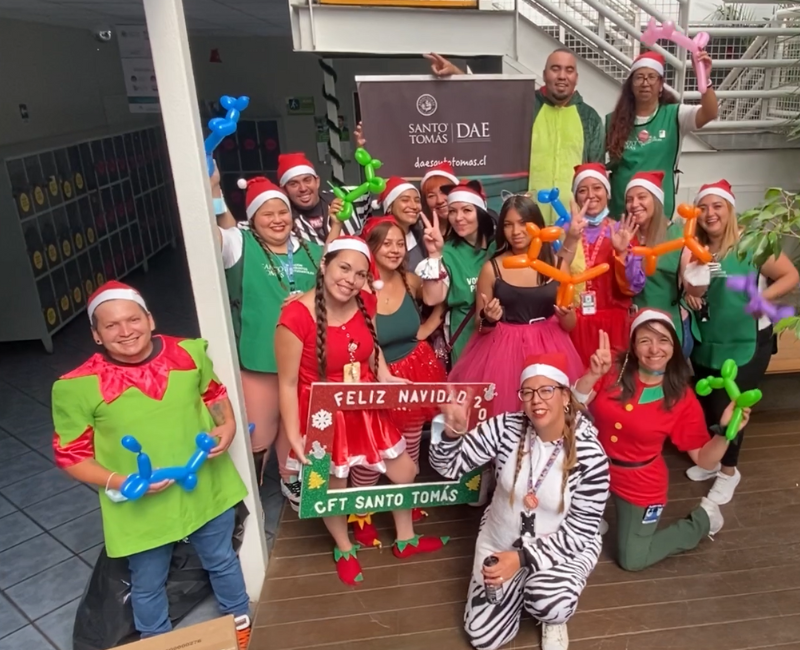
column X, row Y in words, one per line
column 88, row 212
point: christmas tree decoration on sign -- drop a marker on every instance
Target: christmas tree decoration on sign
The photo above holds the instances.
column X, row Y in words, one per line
column 373, row 185
column 567, row 281
column 317, row 500
column 748, row 399
column 689, row 240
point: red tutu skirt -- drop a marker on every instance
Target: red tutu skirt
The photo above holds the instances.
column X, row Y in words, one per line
column 616, row 322
column 499, row 357
column 421, row 366
column 365, row 438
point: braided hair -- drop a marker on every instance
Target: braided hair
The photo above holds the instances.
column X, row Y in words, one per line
column 268, row 252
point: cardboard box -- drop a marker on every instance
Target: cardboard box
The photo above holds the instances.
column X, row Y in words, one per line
column 219, row 634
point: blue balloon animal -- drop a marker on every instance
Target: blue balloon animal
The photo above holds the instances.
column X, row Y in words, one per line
column 136, row 485
column 564, row 217
column 222, row 127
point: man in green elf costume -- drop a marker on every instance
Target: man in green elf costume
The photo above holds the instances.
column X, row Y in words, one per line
column 162, row 391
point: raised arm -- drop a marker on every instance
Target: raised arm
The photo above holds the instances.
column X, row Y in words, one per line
column 599, row 365
column 432, row 271
column 454, row 451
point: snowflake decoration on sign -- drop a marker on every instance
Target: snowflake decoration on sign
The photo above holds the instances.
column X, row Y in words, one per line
column 321, row 420
column 488, row 393
column 317, row 450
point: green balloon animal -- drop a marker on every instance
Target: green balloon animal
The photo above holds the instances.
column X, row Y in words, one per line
column 748, row 399
column 373, row 185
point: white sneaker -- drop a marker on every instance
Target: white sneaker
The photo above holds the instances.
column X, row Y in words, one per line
column 292, row 493
column 554, row 637
column 714, row 515
column 697, row 473
column 603, row 527
column 724, row 487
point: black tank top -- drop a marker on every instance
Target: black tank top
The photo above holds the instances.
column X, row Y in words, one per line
column 522, row 305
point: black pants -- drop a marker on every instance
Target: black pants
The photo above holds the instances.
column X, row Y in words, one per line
column 748, row 377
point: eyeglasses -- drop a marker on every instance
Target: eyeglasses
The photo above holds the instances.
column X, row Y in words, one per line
column 545, row 393
column 651, row 79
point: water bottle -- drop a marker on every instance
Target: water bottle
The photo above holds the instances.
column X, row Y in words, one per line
column 494, row 594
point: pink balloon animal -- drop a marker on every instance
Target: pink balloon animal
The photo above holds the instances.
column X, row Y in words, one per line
column 694, row 45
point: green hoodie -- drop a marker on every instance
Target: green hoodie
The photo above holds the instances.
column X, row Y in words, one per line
column 563, row 137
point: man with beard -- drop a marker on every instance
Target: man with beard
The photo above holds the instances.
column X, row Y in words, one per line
column 566, row 131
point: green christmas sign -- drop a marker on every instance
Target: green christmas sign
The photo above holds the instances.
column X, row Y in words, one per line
column 317, row 500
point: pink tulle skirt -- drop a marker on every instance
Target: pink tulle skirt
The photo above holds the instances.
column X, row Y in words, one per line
column 499, row 358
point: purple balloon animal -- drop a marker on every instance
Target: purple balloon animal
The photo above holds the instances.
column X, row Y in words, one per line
column 758, row 305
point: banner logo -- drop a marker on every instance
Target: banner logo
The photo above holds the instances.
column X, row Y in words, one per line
column 427, row 105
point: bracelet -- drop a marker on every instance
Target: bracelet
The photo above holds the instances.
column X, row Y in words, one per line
column 567, row 250
column 454, row 430
column 219, row 206
column 108, row 480
column 717, row 430
column 431, row 269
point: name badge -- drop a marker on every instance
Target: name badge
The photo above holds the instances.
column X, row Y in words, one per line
column 652, row 514
column 588, row 303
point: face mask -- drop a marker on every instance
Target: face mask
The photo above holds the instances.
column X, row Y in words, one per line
column 598, row 219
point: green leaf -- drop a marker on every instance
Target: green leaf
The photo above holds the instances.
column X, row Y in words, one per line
column 773, row 193
column 775, row 244
column 792, row 323
column 762, row 251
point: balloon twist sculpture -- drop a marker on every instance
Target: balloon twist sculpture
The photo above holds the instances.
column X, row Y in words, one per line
column 651, row 255
column 222, row 127
column 373, row 185
column 694, row 45
column 136, row 485
column 564, row 217
column 567, row 282
column 741, row 400
column 758, row 305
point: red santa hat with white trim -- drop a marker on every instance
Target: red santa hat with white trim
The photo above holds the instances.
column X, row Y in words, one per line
column 553, row 366
column 259, row 190
column 721, row 189
column 292, row 165
column 113, row 290
column 652, row 60
column 466, row 192
column 442, row 170
column 591, row 170
column 653, row 182
column 395, row 186
column 648, row 315
column 350, row 243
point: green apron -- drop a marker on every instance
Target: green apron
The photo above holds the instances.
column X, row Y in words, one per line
column 166, row 429
column 651, row 146
column 729, row 333
column 256, row 297
column 463, row 263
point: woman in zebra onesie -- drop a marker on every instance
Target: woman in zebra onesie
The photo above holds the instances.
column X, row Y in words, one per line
column 542, row 524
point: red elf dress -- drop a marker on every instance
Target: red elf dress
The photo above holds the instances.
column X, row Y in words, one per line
column 365, row 438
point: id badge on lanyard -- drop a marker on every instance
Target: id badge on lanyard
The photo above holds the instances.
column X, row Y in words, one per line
column 589, row 298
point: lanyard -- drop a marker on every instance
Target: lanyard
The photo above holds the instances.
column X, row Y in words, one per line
column 595, row 250
column 531, row 501
column 288, row 268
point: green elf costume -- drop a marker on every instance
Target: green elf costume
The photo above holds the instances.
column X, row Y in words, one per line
column 162, row 401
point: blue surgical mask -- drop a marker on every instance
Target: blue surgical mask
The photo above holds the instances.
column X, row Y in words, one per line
column 597, row 219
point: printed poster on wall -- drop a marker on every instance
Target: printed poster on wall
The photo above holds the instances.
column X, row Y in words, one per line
column 138, row 68
column 481, row 124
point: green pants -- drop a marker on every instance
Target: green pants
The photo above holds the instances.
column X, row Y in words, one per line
column 641, row 545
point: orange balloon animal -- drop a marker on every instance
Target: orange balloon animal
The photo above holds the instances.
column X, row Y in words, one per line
column 538, row 236
column 651, row 255
column 567, row 282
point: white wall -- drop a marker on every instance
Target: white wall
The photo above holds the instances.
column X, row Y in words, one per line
column 70, row 82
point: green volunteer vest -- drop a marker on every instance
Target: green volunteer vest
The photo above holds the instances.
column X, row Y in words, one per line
column 166, row 429
column 256, row 297
column 652, row 146
column 661, row 289
column 463, row 263
column 729, row 333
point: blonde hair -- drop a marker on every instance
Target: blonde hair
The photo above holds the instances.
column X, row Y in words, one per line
column 731, row 235
column 569, row 445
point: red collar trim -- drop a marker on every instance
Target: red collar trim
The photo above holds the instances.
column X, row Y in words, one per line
column 150, row 378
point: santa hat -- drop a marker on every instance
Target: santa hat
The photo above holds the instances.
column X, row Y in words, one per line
column 648, row 315
column 348, row 243
column 721, row 189
column 590, row 170
column 652, row 60
column 466, row 192
column 651, row 181
column 553, row 366
column 113, row 290
column 444, row 170
column 395, row 186
column 292, row 165
column 374, row 222
column 259, row 191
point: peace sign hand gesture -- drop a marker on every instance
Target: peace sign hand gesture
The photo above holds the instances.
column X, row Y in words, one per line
column 624, row 234
column 578, row 222
column 600, row 361
column 432, row 236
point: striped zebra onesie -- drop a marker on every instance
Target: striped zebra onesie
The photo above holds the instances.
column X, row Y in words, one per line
column 565, row 544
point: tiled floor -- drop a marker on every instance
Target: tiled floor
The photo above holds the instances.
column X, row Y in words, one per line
column 50, row 529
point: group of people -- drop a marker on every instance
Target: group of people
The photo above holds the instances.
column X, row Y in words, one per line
column 586, row 394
